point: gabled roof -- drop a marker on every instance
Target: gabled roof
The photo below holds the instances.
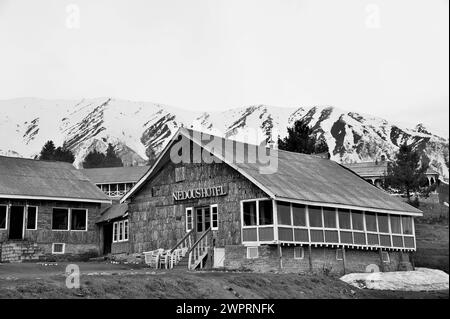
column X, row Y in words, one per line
column 31, row 179
column 113, row 175
column 301, row 178
column 113, row 212
column 376, row 169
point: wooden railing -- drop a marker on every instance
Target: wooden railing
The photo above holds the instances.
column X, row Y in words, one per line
column 199, row 250
column 185, row 242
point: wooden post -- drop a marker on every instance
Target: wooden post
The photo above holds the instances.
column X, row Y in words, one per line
column 280, row 256
column 310, row 258
column 381, row 259
column 343, row 259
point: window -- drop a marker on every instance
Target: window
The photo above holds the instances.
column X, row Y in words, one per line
column 357, row 220
column 58, row 248
column 265, row 212
column 339, row 254
column 60, row 219
column 199, row 218
column 344, row 219
column 284, row 213
column 214, row 217
column 115, row 231
column 383, row 223
column 385, row 257
column 395, row 224
column 252, row 252
column 315, row 216
column 188, row 219
column 299, row 214
column 3, row 210
column 249, row 213
column 125, row 230
column 121, row 231
column 298, row 253
column 329, row 216
column 407, row 225
column 78, row 219
column 31, row 218
column 371, row 222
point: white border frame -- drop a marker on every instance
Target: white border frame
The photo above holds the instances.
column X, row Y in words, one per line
column 58, row 253
column 121, row 227
column 68, row 219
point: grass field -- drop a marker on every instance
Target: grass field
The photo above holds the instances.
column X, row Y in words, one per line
column 432, row 235
column 102, row 280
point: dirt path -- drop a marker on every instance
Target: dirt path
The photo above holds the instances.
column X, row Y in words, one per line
column 103, row 280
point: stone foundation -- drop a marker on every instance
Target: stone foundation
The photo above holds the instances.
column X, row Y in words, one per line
column 316, row 259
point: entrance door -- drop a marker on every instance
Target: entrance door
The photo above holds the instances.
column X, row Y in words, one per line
column 107, row 238
column 202, row 218
column 16, row 216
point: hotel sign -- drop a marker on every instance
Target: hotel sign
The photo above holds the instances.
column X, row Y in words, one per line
column 197, row 193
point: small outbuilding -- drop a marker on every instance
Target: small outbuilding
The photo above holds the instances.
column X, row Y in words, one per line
column 48, row 210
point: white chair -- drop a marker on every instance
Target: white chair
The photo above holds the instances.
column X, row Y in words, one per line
column 164, row 258
column 152, row 258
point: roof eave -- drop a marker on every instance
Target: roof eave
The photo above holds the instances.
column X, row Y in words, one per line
column 65, row 199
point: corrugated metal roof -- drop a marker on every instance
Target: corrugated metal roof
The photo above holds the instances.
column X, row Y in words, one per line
column 376, row 169
column 113, row 212
column 308, row 178
column 112, row 175
column 21, row 177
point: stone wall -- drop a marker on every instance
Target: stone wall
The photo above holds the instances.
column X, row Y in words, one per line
column 158, row 221
column 79, row 244
column 322, row 260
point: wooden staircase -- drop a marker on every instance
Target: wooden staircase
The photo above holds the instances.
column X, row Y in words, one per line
column 197, row 253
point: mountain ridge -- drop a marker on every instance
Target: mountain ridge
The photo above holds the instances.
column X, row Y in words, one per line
column 86, row 124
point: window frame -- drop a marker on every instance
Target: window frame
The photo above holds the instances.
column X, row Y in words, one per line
column 249, row 248
column 191, row 209
column 211, row 207
column 385, row 253
column 35, row 218
column 302, row 255
column 87, row 219
column 119, row 229
column 68, row 218
column 58, row 253
column 6, row 216
column 337, row 254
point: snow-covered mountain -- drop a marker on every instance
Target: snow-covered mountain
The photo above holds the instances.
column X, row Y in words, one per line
column 27, row 123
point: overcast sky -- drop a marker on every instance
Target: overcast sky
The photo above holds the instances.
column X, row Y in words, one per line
column 388, row 58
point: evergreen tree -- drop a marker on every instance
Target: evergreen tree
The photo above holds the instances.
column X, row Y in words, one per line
column 112, row 159
column 63, row 155
column 407, row 171
column 94, row 159
column 47, row 152
column 301, row 140
column 151, row 155
column 60, row 154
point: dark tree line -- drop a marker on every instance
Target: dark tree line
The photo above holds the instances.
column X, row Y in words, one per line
column 300, row 139
column 97, row 159
column 60, row 154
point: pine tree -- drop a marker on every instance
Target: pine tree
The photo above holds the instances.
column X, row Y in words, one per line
column 94, row 159
column 60, row 154
column 63, row 155
column 47, row 152
column 112, row 159
column 407, row 171
column 301, row 140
